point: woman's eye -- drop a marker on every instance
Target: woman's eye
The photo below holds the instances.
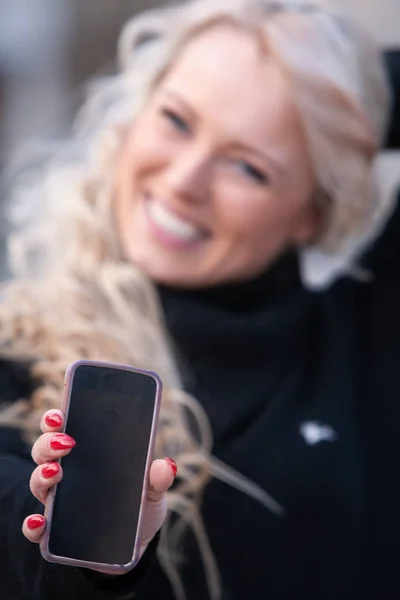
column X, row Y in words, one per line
column 175, row 120
column 253, row 172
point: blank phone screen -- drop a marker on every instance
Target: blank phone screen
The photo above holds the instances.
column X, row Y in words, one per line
column 97, row 504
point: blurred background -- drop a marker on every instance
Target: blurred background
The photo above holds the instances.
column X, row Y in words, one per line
column 48, row 48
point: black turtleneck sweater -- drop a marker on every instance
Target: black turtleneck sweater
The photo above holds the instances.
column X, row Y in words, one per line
column 303, row 394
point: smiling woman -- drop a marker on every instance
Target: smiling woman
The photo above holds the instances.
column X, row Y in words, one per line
column 225, row 173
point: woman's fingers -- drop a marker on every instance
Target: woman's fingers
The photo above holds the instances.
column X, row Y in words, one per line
column 51, row 446
column 52, row 420
column 43, row 478
column 162, row 475
column 33, row 528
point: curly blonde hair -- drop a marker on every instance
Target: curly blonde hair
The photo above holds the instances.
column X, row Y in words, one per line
column 73, row 296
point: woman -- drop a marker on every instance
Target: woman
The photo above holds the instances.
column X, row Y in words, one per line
column 214, row 185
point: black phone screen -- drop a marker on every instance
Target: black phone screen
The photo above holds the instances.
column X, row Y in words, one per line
column 97, row 504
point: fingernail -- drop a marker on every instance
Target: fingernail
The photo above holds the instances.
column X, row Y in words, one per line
column 62, row 441
column 173, row 465
column 51, row 470
column 53, row 420
column 35, row 521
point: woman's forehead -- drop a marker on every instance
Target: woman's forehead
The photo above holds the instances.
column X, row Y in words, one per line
column 224, row 76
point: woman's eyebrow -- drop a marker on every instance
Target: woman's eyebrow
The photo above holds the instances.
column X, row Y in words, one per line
column 177, row 97
column 275, row 162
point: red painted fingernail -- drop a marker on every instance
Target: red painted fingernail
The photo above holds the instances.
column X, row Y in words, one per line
column 51, row 470
column 53, row 420
column 173, row 465
column 35, row 521
column 62, row 441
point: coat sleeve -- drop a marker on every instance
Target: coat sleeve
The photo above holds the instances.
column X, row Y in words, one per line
column 24, row 574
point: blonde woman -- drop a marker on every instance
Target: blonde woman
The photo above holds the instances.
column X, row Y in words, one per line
column 207, row 222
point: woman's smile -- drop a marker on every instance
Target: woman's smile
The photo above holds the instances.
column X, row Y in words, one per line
column 171, row 229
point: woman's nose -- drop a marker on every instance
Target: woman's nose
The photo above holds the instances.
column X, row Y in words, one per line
column 189, row 175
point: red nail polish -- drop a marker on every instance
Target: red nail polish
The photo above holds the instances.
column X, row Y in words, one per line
column 35, row 521
column 53, row 420
column 50, row 470
column 173, row 465
column 62, row 441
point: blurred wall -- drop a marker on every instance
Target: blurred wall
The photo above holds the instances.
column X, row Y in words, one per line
column 34, row 45
column 48, row 48
column 98, row 23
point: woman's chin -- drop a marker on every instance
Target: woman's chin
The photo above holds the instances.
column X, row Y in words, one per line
column 166, row 272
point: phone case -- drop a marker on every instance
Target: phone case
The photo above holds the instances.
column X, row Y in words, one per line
column 48, row 513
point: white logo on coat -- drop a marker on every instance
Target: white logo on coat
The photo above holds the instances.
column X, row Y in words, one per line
column 314, row 433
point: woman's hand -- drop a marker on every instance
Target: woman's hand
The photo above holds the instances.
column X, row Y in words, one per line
column 53, row 445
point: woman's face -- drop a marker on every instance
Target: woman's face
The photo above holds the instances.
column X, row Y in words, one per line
column 214, row 180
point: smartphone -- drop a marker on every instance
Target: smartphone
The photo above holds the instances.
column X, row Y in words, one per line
column 94, row 514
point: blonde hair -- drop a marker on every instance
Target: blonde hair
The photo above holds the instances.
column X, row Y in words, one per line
column 73, row 296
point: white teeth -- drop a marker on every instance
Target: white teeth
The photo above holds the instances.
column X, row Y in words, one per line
column 171, row 224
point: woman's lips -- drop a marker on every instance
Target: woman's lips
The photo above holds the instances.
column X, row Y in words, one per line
column 170, row 228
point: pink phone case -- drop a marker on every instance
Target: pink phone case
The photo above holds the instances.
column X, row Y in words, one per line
column 48, row 513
